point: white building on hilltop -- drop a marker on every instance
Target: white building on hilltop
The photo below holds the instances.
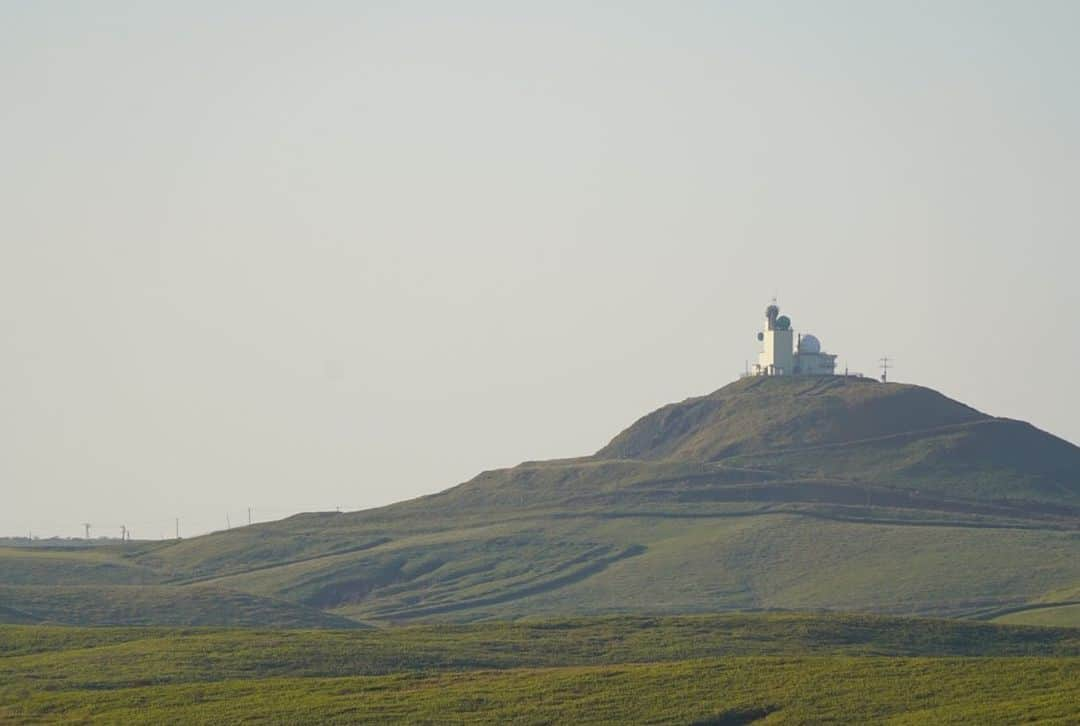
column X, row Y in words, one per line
column 779, row 357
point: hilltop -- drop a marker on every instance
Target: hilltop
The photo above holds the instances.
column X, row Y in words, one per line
column 770, row 493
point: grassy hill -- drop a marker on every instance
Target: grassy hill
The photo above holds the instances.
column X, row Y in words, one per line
column 719, row 669
column 759, row 414
column 828, row 493
column 60, row 566
column 155, row 604
column 860, row 430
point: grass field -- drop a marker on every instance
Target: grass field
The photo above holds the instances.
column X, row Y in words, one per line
column 716, row 669
column 737, row 691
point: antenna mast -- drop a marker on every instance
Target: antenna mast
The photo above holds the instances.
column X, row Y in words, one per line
column 885, row 365
column 86, row 527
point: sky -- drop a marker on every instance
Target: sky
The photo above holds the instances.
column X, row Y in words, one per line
column 301, row 256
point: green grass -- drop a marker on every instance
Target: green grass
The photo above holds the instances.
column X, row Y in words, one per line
column 156, row 605
column 790, row 668
column 1067, row 616
column 88, row 566
column 736, row 690
column 65, row 657
column 745, row 556
column 671, row 564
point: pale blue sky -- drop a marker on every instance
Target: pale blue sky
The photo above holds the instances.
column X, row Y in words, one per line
column 300, row 255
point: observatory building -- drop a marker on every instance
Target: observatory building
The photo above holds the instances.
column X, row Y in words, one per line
column 781, row 355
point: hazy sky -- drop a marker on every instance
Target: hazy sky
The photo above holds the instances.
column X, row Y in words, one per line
column 300, row 255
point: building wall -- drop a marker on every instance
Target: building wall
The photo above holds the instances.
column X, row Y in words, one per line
column 777, row 358
column 815, row 364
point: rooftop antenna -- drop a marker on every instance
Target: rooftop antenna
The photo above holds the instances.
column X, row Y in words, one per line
column 86, row 527
column 885, row 361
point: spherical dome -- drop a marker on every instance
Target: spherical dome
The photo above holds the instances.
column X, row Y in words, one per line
column 809, row 344
column 783, row 322
column 772, row 311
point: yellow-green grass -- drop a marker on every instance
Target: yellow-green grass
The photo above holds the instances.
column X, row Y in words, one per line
column 745, row 557
column 603, row 564
column 1052, row 615
column 156, row 605
column 34, row 658
column 717, row 691
column 72, row 566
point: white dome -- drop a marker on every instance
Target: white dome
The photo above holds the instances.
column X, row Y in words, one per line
column 809, row 344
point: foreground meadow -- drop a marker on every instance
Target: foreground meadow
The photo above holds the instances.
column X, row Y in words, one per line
column 710, row 669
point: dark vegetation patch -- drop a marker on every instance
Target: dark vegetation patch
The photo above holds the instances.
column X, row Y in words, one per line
column 738, row 716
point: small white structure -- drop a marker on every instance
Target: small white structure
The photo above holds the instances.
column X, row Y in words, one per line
column 779, row 357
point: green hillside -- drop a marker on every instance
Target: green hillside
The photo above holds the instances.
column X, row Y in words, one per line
column 71, row 565
column 155, row 604
column 816, row 493
column 732, row 668
column 860, row 430
column 758, row 414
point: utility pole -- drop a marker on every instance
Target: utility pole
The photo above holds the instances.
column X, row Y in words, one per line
column 885, row 361
column 228, row 525
column 86, row 528
column 178, row 528
column 123, row 533
column 249, row 516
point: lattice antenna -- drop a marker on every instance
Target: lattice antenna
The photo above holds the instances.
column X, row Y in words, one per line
column 886, row 363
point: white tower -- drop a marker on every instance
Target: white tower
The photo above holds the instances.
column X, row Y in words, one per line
column 777, row 357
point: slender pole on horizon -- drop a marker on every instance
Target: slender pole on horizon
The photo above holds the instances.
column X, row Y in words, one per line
column 885, row 361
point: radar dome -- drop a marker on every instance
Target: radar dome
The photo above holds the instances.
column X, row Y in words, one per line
column 809, row 344
column 783, row 322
